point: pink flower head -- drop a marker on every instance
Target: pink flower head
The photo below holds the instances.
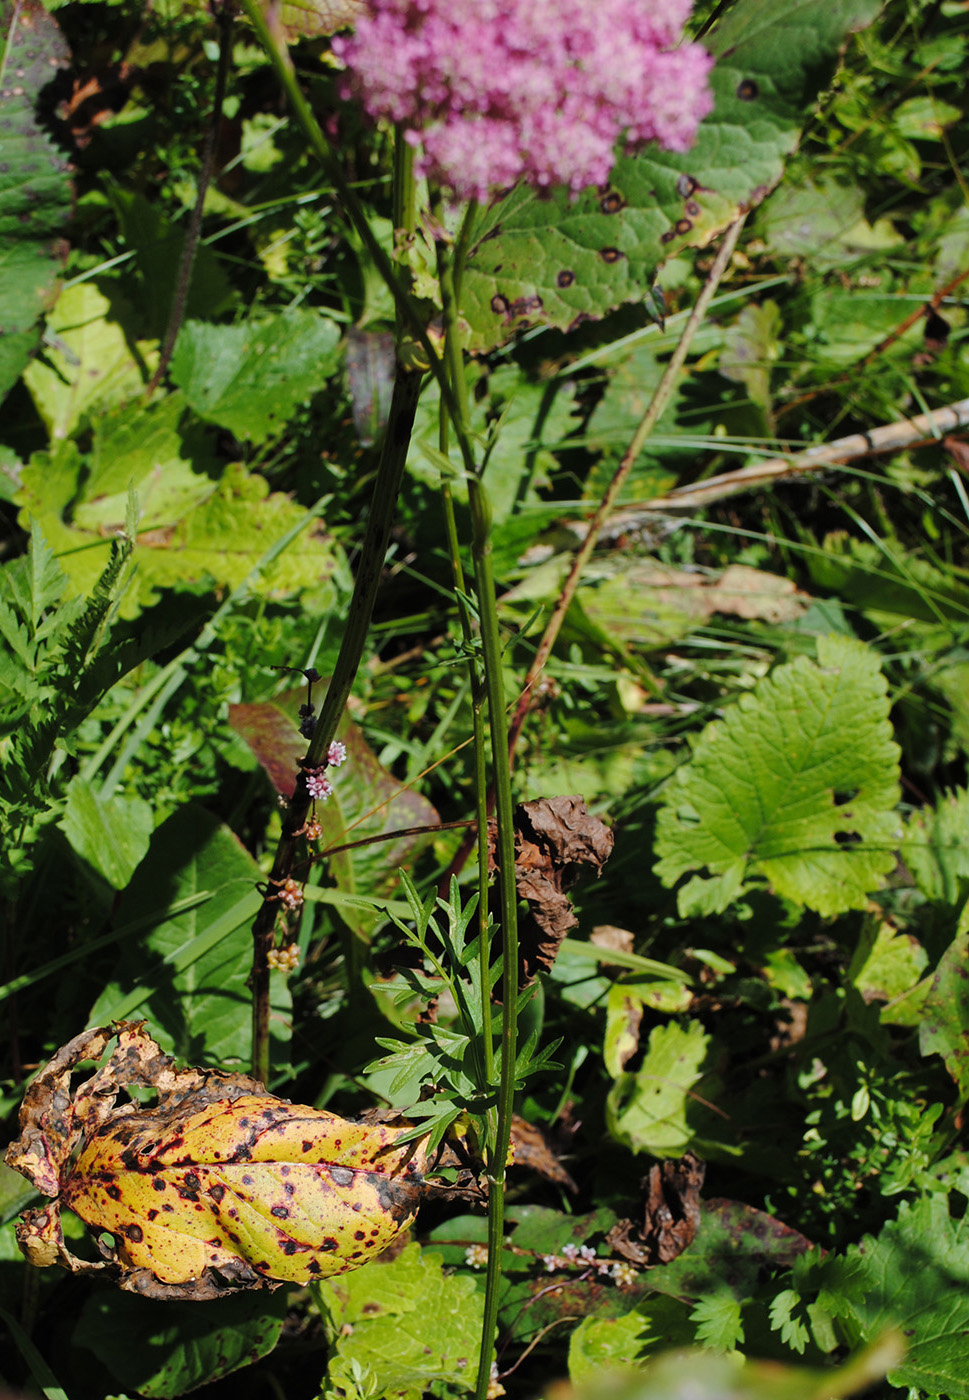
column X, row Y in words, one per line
column 494, row 91
column 336, row 754
column 318, row 785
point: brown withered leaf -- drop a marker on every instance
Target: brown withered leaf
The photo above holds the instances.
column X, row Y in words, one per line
column 530, row 1147
column 671, row 1213
column 554, row 838
column 217, row 1186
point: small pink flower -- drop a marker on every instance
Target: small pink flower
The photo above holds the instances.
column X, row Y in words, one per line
column 494, row 91
column 336, row 754
column 318, row 785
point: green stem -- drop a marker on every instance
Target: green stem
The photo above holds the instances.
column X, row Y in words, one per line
column 373, row 552
column 454, row 363
column 508, row 914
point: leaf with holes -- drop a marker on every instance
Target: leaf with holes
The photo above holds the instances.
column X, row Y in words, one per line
column 218, row 1186
column 797, row 786
column 539, row 259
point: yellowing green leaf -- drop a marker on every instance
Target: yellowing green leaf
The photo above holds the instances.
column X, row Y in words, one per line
column 90, row 365
column 218, row 1186
column 295, row 1193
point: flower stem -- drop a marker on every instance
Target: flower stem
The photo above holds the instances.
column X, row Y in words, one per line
column 373, row 552
column 508, row 913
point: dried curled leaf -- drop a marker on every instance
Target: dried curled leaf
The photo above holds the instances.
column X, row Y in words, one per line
column 554, row 838
column 671, row 1213
column 217, row 1187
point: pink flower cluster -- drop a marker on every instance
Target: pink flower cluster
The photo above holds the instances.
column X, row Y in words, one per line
column 495, row 91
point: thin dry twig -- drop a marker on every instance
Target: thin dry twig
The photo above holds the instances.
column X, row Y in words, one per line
column 891, row 437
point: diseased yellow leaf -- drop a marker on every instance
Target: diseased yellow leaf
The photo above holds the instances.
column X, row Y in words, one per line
column 218, row 1186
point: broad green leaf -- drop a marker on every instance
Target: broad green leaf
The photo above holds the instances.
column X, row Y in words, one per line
column 219, row 541
column 161, row 1352
column 543, row 260
column 624, row 1013
column 90, row 364
column 887, row 962
column 189, row 974
column 367, row 801
column 111, row 834
column 944, row 1020
column 797, row 786
column 309, row 19
column 143, row 448
column 823, row 223
column 648, row 1111
column 35, row 181
column 252, row 377
column 406, row 1323
column 914, row 1276
column 751, row 347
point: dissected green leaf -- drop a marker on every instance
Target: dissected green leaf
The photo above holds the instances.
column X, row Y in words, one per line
column 111, row 834
column 936, row 848
column 251, row 378
column 914, row 1276
column 797, row 785
column 944, row 1021
column 189, row 972
column 406, row 1323
column 543, row 260
column 35, row 181
column 648, row 1110
column 163, row 1352
column 601, row 1344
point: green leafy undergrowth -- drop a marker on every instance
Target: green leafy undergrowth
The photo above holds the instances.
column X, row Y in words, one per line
column 186, row 959
column 163, row 1352
column 399, row 1327
column 797, row 786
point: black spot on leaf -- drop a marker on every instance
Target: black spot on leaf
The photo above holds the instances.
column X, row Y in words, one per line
column 747, row 90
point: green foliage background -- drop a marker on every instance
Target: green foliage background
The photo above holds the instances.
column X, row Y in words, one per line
column 768, row 701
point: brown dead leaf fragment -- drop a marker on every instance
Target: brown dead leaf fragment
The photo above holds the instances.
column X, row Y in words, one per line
column 218, row 1186
column 554, row 838
column 530, row 1147
column 671, row 1214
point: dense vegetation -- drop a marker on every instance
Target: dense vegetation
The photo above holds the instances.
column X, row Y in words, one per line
column 760, row 686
